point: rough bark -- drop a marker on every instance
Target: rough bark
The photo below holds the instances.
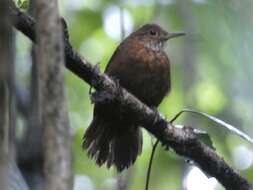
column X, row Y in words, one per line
column 53, row 108
column 29, row 147
column 7, row 120
column 184, row 141
column 15, row 178
column 30, row 154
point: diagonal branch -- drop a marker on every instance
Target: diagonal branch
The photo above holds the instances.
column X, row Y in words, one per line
column 184, row 141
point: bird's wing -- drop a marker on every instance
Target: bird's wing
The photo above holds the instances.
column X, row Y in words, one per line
column 113, row 59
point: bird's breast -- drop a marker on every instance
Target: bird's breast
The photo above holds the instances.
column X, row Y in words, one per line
column 143, row 72
column 151, row 71
column 150, row 59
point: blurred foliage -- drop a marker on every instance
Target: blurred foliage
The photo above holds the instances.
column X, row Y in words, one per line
column 212, row 72
column 23, row 4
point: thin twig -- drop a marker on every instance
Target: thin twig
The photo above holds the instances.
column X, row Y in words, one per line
column 150, row 164
column 122, row 24
column 153, row 153
column 176, row 116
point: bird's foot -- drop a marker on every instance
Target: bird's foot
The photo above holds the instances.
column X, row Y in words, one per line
column 101, row 96
column 118, row 92
column 95, row 69
column 95, row 72
column 104, row 96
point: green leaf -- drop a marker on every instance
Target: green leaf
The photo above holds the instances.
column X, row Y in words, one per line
column 229, row 127
column 22, row 4
column 204, row 137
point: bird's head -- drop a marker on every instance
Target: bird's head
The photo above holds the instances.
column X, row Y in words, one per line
column 153, row 36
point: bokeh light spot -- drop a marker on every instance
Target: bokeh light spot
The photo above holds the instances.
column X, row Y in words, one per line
column 243, row 157
column 210, row 97
column 83, row 182
column 197, row 180
column 111, row 22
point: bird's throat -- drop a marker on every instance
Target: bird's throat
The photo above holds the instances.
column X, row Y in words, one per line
column 158, row 46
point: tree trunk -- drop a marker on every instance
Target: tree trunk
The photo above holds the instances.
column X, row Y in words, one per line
column 31, row 161
column 7, row 107
column 56, row 131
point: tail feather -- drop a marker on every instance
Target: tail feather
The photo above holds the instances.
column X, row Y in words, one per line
column 112, row 145
column 126, row 148
column 95, row 137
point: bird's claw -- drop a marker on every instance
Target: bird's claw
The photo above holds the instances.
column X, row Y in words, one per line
column 101, row 96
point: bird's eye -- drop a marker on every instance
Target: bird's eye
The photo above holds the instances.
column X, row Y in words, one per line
column 153, row 33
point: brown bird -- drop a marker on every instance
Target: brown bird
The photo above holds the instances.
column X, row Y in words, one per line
column 143, row 68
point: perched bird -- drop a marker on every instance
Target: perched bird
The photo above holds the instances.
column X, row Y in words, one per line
column 143, row 68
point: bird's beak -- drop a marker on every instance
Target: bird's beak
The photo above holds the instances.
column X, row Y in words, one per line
column 173, row 35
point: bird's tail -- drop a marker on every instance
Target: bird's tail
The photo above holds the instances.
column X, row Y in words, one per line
column 110, row 144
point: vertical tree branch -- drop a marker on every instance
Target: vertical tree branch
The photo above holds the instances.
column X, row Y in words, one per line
column 31, row 160
column 122, row 25
column 50, row 59
column 189, row 51
column 6, row 92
